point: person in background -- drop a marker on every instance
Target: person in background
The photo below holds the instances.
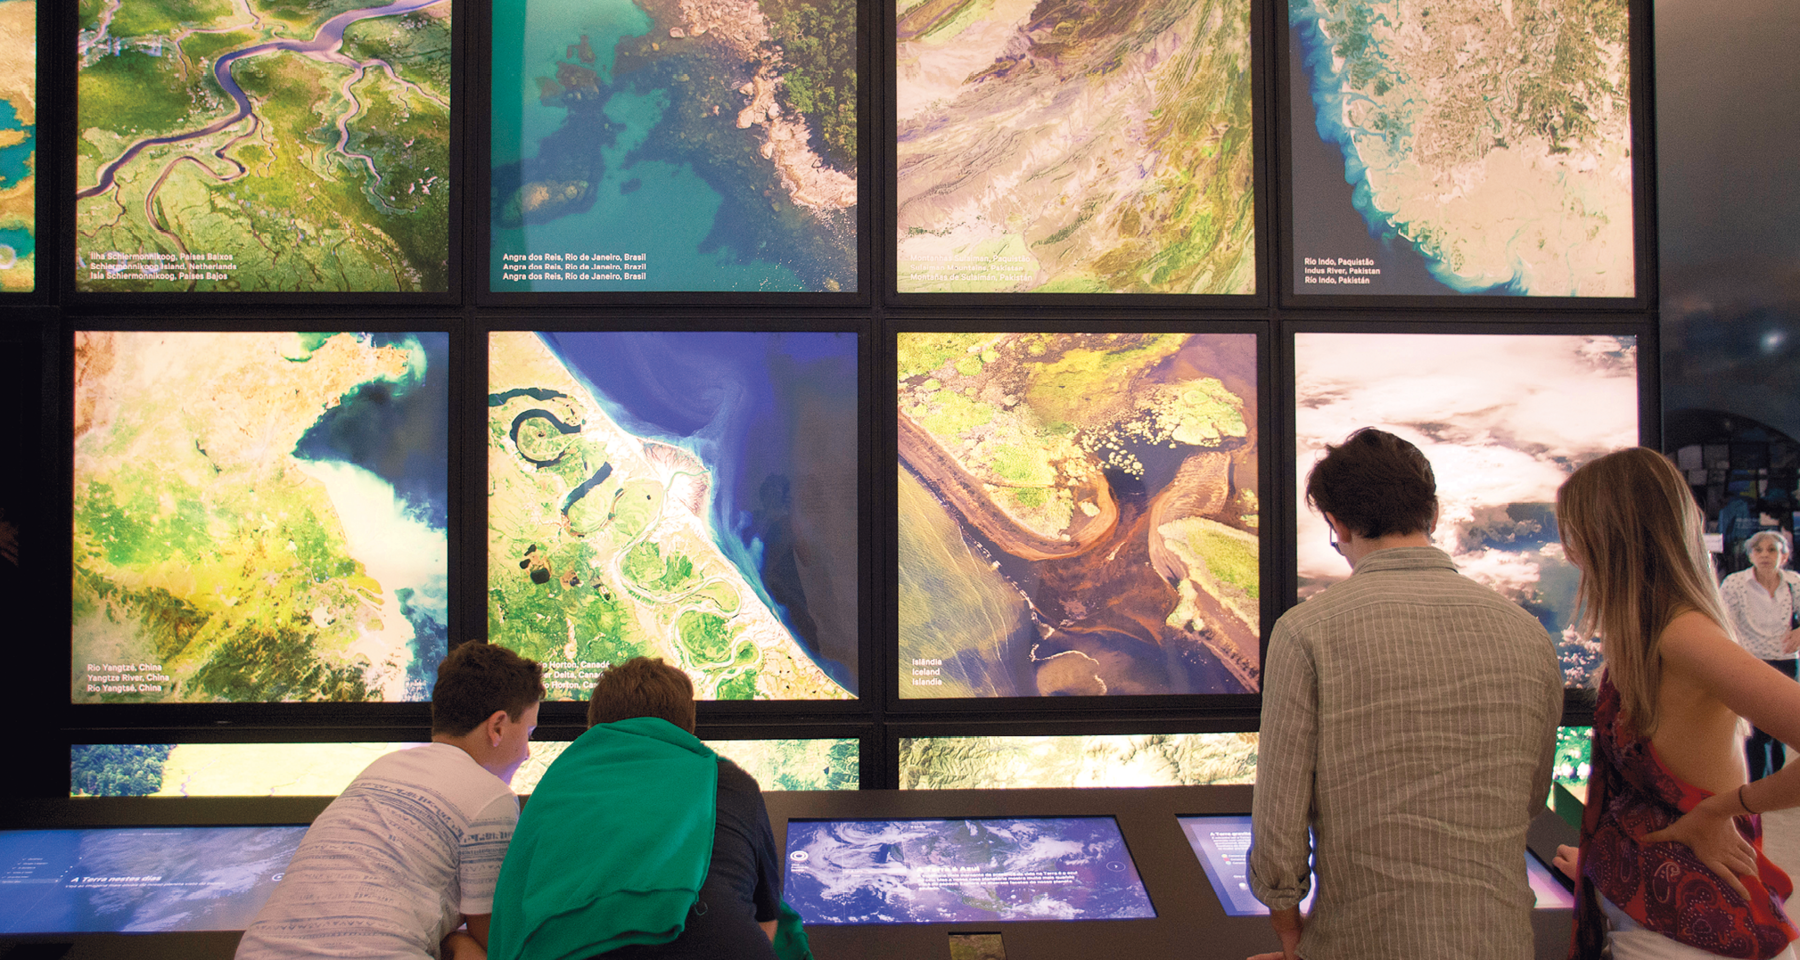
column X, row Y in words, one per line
column 1764, row 616
column 641, row 842
column 1409, row 722
column 403, row 863
column 1671, row 861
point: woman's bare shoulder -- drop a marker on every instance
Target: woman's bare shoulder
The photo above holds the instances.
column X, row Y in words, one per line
column 1691, row 628
column 1700, row 662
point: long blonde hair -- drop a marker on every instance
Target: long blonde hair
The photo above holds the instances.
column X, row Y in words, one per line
column 1631, row 525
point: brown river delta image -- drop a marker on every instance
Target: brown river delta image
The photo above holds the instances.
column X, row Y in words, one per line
column 1077, row 514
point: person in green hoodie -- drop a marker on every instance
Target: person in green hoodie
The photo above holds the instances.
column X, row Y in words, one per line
column 640, row 842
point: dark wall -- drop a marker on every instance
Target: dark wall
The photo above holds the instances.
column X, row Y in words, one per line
column 1728, row 206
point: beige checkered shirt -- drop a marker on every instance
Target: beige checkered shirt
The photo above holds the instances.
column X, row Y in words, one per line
column 1409, row 718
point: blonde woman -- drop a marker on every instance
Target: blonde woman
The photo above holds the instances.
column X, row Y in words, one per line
column 1671, row 862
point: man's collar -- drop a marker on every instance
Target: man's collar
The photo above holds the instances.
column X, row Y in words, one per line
column 1405, row 558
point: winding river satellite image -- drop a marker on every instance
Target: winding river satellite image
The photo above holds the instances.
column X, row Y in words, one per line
column 263, row 146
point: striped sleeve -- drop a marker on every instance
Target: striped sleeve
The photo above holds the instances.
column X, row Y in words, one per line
column 1280, row 853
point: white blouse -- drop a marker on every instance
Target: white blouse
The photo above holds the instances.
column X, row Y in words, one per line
column 1760, row 621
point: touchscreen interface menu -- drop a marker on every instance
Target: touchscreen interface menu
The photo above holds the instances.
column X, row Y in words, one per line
column 140, row 879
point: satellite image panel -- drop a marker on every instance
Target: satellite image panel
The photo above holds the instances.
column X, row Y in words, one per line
column 1445, row 148
column 263, row 146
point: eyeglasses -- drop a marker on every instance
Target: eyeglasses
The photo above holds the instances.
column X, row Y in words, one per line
column 1331, row 537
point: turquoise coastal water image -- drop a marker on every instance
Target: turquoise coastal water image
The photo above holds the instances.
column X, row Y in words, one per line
column 655, row 148
column 18, row 145
column 1448, row 150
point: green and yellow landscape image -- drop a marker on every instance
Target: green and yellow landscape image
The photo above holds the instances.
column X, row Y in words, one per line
column 263, row 146
column 259, row 516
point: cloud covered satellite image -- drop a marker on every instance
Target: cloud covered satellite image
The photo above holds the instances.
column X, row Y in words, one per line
column 939, row 871
column 1493, row 415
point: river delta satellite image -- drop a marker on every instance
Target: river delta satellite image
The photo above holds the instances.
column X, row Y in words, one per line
column 1461, row 148
column 690, row 496
column 18, row 145
column 259, row 516
column 263, row 146
column 1078, row 514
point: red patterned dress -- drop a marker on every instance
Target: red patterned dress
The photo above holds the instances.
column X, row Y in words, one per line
column 1663, row 886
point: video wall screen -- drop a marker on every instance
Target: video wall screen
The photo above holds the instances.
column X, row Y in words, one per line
column 689, row 495
column 18, row 145
column 962, row 871
column 1090, row 760
column 325, row 769
column 1503, row 419
column 263, row 146
column 1074, row 149
column 259, row 516
column 1445, row 149
column 644, row 146
column 220, row 769
column 140, row 879
column 827, row 764
column 1078, row 514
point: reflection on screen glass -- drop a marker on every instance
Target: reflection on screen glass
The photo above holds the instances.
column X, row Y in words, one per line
column 1403, row 183
column 325, row 769
column 18, row 145
column 1503, row 420
column 684, row 495
column 1078, row 514
column 1090, row 149
column 259, row 516
column 263, row 146
column 652, row 146
column 1222, row 844
column 949, row 871
column 141, row 879
column 1102, row 760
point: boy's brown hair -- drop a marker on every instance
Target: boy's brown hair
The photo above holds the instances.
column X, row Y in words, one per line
column 643, row 687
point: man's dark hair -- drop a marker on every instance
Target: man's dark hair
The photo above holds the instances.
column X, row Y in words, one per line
column 1376, row 484
column 643, row 687
column 477, row 679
